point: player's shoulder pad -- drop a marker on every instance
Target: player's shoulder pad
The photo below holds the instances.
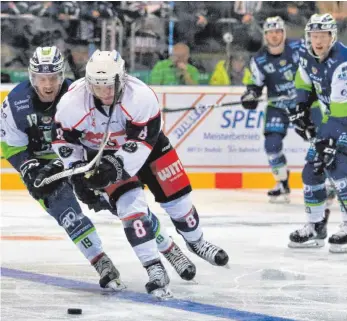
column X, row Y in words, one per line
column 139, row 99
column 340, row 51
column 340, row 73
column 20, row 96
column 21, row 90
column 71, row 107
column 261, row 56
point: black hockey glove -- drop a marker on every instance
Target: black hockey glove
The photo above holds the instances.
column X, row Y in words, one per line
column 249, row 99
column 29, row 171
column 110, row 170
column 300, row 117
column 86, row 195
column 326, row 152
column 55, row 166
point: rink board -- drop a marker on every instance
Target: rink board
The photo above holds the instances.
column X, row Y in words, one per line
column 220, row 148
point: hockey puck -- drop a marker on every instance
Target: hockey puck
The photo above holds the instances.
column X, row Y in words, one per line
column 74, row 311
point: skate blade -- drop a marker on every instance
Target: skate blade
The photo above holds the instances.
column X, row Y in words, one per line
column 115, row 285
column 282, row 199
column 162, row 294
column 307, row 245
column 338, row 248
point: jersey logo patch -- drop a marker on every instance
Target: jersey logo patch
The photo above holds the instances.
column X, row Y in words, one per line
column 130, row 147
column 46, row 119
column 64, row 151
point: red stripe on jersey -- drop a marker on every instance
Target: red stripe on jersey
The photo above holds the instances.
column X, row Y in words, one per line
column 134, row 216
column 123, row 108
column 154, row 93
column 59, row 141
column 83, row 118
column 144, row 123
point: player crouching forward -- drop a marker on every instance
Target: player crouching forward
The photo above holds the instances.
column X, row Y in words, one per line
column 26, row 121
column 137, row 153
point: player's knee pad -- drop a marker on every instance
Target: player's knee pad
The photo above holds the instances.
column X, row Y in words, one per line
column 315, row 197
column 315, row 194
column 277, row 160
column 138, row 228
column 74, row 223
column 273, row 143
column 187, row 223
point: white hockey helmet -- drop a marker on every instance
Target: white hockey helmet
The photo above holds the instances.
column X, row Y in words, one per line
column 274, row 23
column 106, row 68
column 46, row 61
column 320, row 23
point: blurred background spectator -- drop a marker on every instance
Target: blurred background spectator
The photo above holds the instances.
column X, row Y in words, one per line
column 145, row 33
column 176, row 70
column 230, row 71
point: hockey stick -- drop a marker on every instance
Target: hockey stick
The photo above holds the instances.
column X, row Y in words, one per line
column 335, row 188
column 331, row 181
column 229, row 104
column 77, row 170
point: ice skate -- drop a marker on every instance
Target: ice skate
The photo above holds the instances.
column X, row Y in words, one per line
column 338, row 241
column 312, row 235
column 181, row 263
column 209, row 252
column 109, row 275
column 280, row 194
column 158, row 281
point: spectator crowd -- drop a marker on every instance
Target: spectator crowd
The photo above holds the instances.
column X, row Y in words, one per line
column 166, row 43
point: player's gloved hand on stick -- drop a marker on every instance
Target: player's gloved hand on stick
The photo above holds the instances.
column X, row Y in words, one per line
column 84, row 193
column 110, row 170
column 29, row 171
column 34, row 173
column 300, row 117
column 326, row 152
column 249, row 99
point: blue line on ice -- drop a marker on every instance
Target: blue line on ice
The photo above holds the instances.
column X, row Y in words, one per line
column 178, row 304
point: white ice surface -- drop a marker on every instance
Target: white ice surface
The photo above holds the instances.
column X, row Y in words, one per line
column 265, row 276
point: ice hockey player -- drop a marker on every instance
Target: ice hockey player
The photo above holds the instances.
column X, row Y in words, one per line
column 274, row 67
column 26, row 123
column 137, row 153
column 323, row 68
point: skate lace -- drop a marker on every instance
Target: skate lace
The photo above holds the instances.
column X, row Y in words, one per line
column 206, row 249
column 103, row 266
column 177, row 259
column 343, row 229
column 306, row 230
column 155, row 272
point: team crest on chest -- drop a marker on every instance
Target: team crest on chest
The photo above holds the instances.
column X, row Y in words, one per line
column 314, row 70
column 283, row 62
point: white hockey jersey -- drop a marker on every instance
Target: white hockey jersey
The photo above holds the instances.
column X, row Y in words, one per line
column 135, row 124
